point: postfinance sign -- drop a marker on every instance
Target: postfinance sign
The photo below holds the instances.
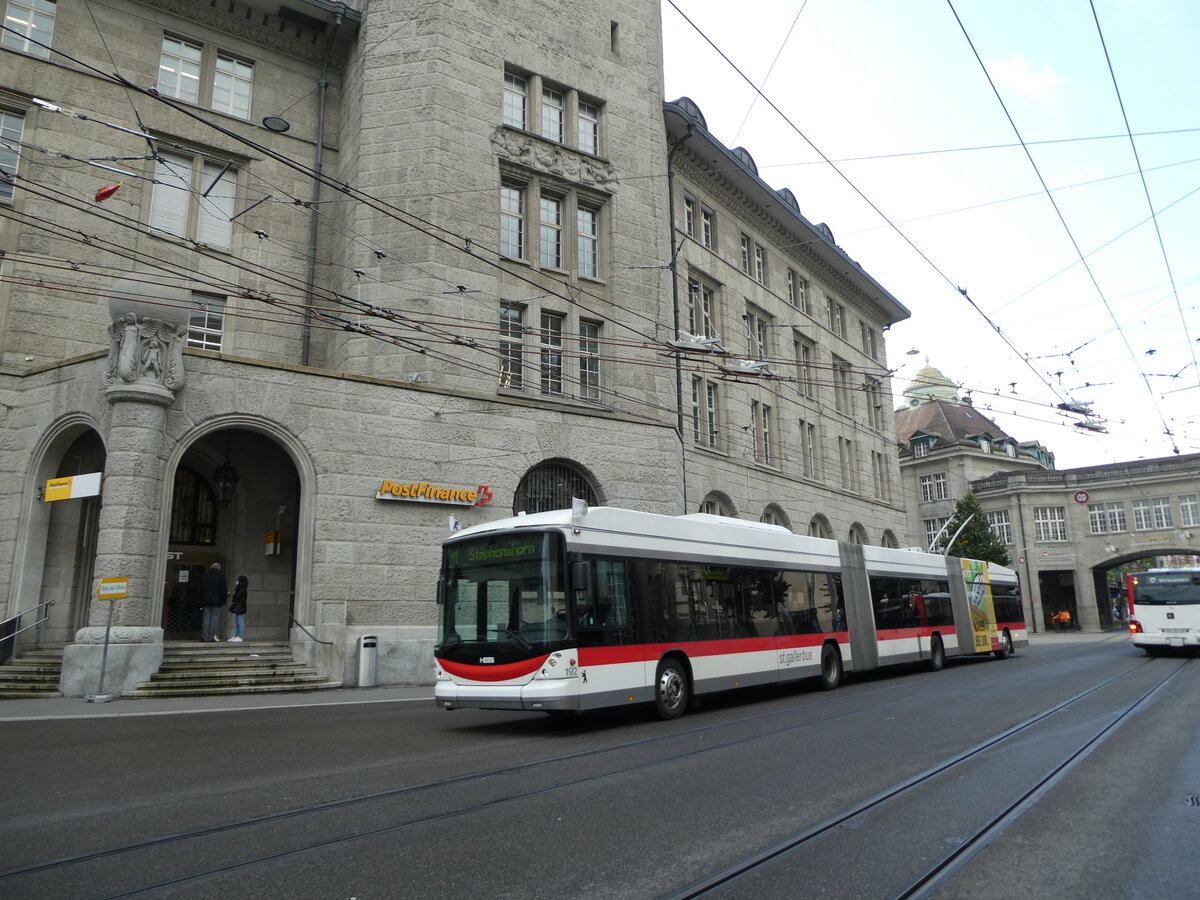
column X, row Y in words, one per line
column 424, row 492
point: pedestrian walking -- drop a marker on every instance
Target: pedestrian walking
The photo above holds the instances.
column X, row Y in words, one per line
column 213, row 593
column 238, row 608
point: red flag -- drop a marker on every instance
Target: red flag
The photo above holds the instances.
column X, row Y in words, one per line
column 106, row 192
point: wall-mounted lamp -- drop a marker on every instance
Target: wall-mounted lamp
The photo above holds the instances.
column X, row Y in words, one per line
column 276, row 123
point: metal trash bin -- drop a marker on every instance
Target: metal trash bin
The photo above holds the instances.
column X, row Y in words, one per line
column 368, row 656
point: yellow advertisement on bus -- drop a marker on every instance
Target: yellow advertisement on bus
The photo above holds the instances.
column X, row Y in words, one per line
column 979, row 596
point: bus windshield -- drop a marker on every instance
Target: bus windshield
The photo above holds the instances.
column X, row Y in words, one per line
column 503, row 589
column 1166, row 589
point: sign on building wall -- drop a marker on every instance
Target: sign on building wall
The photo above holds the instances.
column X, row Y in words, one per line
column 73, row 486
column 424, row 492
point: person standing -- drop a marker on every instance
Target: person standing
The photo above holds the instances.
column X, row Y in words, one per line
column 213, row 592
column 238, row 608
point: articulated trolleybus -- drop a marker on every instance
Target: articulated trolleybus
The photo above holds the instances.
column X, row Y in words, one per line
column 1164, row 609
column 561, row 612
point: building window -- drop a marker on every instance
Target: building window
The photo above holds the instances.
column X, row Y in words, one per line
column 873, row 390
column 848, row 462
column 514, row 100
column 932, row 529
column 233, row 86
column 842, row 396
column 998, row 522
column 512, row 221
column 1106, row 517
column 760, row 264
column 587, row 237
column 589, row 361
column 206, row 323
column 552, row 361
column 589, row 127
column 1049, row 523
column 801, row 294
column 552, row 485
column 550, row 233
column 760, row 414
column 179, row 204
column 27, row 22
column 1163, row 517
column 228, row 87
column 512, row 345
column 12, row 127
column 706, row 423
column 708, row 230
column 879, row 476
column 870, row 340
column 193, row 510
column 746, row 248
column 837, row 317
column 689, row 216
column 808, row 449
column 934, row 487
column 759, row 325
column 920, row 449
column 806, row 353
column 1189, row 510
column 552, row 115
column 715, row 506
column 179, row 69
column 701, row 308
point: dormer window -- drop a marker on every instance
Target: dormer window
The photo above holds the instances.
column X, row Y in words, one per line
column 920, row 448
column 985, row 445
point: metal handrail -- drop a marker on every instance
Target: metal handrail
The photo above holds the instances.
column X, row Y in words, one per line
column 309, row 633
column 8, row 639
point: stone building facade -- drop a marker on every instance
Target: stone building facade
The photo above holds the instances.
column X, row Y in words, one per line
column 1065, row 530
column 300, row 260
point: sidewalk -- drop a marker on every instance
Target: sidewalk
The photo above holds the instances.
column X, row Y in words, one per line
column 40, row 709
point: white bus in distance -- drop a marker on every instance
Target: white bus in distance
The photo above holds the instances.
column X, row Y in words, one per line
column 562, row 612
column 1164, row 609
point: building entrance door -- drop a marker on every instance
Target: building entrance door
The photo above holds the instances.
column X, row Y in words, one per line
column 181, row 601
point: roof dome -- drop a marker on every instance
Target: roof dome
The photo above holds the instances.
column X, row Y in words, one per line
column 930, row 384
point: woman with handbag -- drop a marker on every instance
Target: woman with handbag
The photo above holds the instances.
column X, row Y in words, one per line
column 238, row 608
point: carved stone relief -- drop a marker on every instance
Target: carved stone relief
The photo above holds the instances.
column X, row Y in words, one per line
column 553, row 159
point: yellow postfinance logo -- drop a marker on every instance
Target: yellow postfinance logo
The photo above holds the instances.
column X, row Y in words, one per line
column 424, row 492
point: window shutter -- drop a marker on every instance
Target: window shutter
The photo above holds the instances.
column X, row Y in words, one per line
column 213, row 226
column 169, row 202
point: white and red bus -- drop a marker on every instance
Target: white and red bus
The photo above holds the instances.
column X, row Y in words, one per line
column 559, row 611
column 1164, row 609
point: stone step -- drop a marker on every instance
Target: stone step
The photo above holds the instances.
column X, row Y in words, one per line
column 213, row 690
column 8, row 692
column 291, row 670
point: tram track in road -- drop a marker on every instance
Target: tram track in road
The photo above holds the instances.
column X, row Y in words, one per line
column 339, row 831
column 966, row 846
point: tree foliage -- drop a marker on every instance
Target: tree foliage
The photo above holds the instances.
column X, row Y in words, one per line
column 976, row 540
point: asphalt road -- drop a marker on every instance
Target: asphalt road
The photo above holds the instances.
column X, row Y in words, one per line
column 1069, row 770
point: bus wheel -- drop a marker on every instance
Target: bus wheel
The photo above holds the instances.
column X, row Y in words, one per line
column 1152, row 649
column 671, row 688
column 937, row 654
column 831, row 667
column 1006, row 647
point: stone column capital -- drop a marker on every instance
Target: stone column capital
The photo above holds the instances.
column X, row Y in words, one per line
column 146, row 341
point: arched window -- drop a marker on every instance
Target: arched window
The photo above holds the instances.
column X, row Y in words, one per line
column 819, row 527
column 551, row 485
column 888, row 539
column 193, row 510
column 857, row 535
column 774, row 515
column 716, row 505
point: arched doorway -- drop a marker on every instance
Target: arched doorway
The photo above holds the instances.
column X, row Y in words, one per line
column 235, row 499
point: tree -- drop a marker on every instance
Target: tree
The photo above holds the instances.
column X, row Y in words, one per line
column 977, row 540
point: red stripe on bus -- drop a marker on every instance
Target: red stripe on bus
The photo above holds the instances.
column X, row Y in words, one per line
column 485, row 672
column 599, row 656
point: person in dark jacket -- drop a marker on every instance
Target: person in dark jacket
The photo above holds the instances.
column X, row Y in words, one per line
column 238, row 608
column 213, row 592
